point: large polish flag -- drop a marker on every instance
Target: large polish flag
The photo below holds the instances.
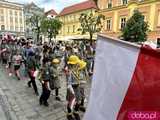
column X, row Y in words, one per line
column 126, row 82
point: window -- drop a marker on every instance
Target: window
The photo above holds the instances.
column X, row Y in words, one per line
column 68, row 29
column 2, row 27
column 74, row 17
column 109, row 3
column 10, row 12
column 78, row 17
column 21, row 29
column 1, row 11
column 108, row 24
column 1, row 18
column 11, row 19
column 11, row 28
column 123, row 21
column 73, row 28
column 145, row 18
column 16, row 21
column 20, row 20
column 20, row 13
column 158, row 24
column 124, row 2
column 15, row 13
column 16, row 28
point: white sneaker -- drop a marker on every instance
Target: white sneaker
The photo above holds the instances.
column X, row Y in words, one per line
column 10, row 74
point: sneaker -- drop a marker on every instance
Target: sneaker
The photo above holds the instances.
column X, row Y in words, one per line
column 70, row 117
column 37, row 93
column 29, row 85
column 58, row 98
column 10, row 74
column 18, row 78
column 40, row 102
column 76, row 116
column 82, row 108
column 46, row 104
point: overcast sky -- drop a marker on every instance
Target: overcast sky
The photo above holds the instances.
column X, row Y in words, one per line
column 57, row 5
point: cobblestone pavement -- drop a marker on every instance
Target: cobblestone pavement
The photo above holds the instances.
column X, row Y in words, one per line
column 18, row 102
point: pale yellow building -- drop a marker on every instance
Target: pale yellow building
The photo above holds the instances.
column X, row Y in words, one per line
column 11, row 18
column 117, row 12
column 70, row 18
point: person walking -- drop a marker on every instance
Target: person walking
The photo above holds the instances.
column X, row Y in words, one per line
column 73, row 90
column 17, row 59
column 83, row 77
column 55, row 77
column 31, row 68
column 45, row 78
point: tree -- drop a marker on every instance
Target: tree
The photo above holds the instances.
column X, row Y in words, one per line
column 136, row 28
column 51, row 27
column 35, row 23
column 91, row 24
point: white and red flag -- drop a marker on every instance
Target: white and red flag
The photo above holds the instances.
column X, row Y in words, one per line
column 126, row 82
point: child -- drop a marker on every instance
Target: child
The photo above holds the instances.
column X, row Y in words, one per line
column 17, row 59
column 55, row 80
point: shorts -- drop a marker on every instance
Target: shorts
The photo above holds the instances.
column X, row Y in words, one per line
column 16, row 67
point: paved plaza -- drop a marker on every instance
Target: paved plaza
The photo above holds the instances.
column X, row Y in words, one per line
column 18, row 102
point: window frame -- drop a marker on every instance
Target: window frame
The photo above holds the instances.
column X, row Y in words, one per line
column 109, row 5
column 108, row 26
column 158, row 19
column 122, row 23
column 124, row 2
column 74, row 28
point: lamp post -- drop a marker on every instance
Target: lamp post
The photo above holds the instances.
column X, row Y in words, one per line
column 38, row 30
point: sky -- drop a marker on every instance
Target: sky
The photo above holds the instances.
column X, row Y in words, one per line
column 57, row 5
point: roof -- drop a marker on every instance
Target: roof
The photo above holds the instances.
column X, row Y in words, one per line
column 51, row 12
column 78, row 7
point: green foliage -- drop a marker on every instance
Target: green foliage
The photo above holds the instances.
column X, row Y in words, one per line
column 34, row 22
column 90, row 23
column 51, row 27
column 136, row 28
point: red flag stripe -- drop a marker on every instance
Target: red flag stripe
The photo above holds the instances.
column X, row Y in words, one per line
column 143, row 94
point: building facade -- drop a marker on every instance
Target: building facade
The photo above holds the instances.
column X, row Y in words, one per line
column 11, row 18
column 70, row 18
column 117, row 12
column 51, row 13
column 30, row 10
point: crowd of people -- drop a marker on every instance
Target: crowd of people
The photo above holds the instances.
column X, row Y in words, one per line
column 47, row 62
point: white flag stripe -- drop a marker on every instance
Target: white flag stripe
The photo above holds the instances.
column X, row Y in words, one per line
column 114, row 66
